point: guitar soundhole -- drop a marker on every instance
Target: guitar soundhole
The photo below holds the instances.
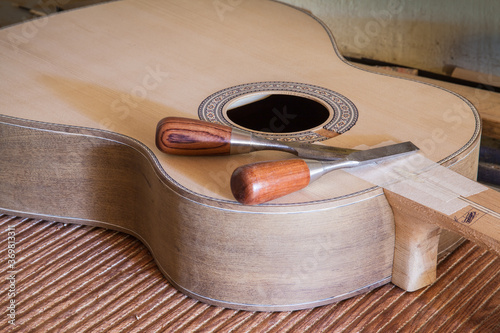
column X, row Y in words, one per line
column 278, row 113
column 287, row 111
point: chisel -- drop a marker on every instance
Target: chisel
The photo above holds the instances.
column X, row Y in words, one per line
column 260, row 182
column 184, row 136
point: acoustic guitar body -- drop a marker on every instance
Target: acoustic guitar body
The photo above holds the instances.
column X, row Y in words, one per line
column 83, row 91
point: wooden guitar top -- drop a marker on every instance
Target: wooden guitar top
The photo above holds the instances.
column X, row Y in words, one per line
column 83, row 91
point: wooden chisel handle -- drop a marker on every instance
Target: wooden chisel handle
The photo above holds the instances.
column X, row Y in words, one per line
column 183, row 136
column 264, row 181
column 257, row 183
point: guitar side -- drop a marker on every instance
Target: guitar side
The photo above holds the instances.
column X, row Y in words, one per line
column 232, row 256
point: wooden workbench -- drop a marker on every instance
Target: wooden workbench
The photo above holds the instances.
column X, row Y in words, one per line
column 79, row 278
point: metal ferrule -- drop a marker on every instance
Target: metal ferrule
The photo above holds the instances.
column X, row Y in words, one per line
column 245, row 142
column 319, row 168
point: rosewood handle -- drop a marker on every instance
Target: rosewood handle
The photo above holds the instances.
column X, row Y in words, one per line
column 183, row 136
column 256, row 183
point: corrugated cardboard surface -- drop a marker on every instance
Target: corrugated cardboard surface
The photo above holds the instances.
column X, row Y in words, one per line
column 73, row 278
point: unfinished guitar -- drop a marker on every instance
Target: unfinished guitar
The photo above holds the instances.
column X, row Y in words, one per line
column 82, row 93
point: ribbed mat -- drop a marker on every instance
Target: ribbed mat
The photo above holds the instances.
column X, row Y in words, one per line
column 73, row 278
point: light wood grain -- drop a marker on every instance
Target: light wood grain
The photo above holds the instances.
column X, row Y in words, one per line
column 80, row 110
column 481, row 79
column 418, row 227
column 484, row 99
